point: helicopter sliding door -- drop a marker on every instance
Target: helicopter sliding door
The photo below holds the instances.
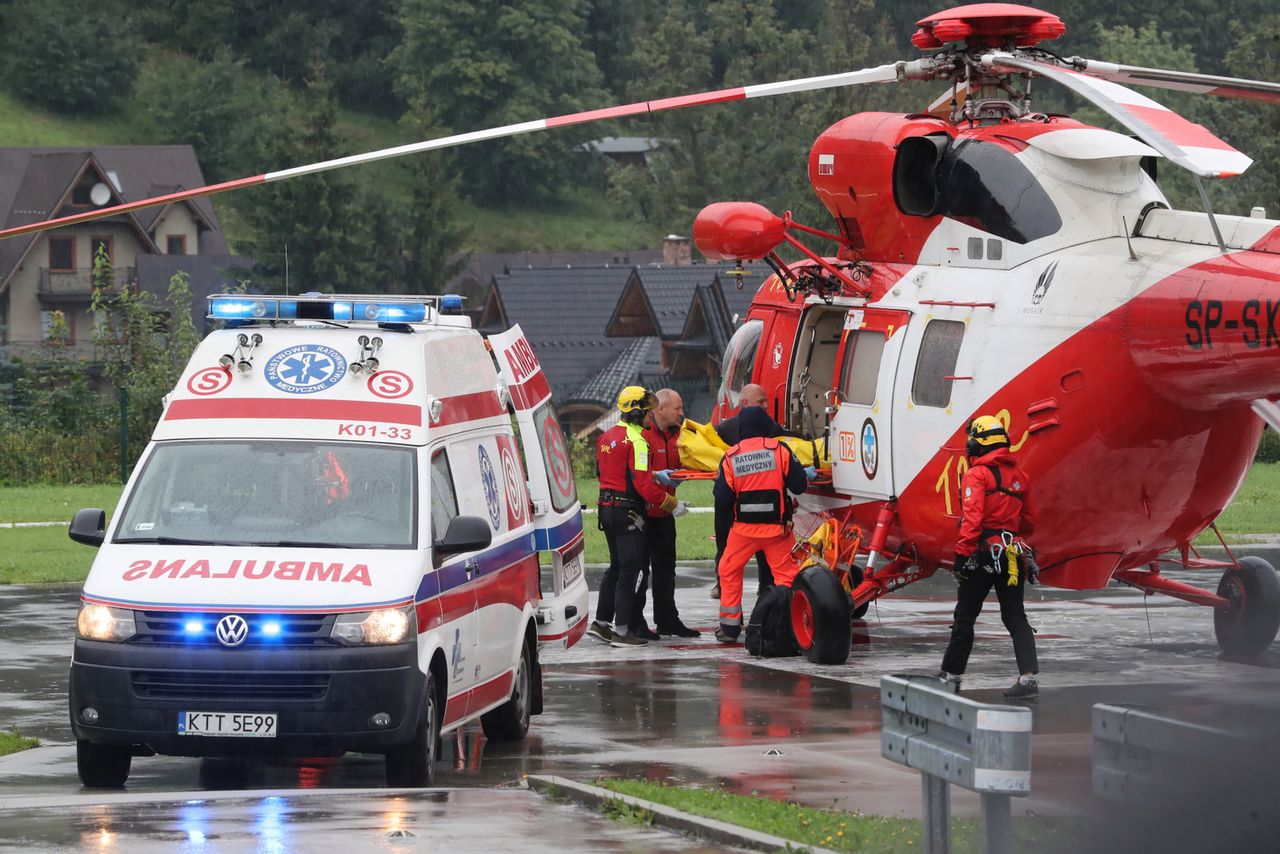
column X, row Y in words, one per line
column 860, row 434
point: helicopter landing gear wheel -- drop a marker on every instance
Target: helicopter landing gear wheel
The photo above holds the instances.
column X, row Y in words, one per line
column 820, row 616
column 1249, row 623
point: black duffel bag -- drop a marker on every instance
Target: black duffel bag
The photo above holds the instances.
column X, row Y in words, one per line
column 769, row 632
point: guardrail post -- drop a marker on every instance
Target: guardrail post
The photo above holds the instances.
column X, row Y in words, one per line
column 952, row 739
column 937, row 814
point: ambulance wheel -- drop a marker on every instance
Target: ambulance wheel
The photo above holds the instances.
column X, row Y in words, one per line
column 1249, row 623
column 820, row 617
column 414, row 764
column 103, row 766
column 510, row 721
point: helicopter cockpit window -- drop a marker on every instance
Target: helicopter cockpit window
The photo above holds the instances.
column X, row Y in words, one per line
column 739, row 360
column 984, row 185
column 939, row 350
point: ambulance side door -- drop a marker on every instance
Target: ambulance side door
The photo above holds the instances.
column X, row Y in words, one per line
column 553, row 492
column 454, row 579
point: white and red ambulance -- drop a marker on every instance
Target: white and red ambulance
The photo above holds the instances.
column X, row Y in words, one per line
column 331, row 543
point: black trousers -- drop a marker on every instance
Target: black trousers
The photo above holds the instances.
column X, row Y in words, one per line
column 724, row 521
column 662, row 561
column 628, row 563
column 969, row 598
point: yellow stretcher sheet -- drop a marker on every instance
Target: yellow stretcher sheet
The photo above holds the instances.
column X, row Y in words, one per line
column 701, row 448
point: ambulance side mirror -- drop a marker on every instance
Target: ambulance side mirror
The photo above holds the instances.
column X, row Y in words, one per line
column 89, row 527
column 464, row 534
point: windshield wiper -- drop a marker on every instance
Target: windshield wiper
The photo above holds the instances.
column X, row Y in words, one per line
column 180, row 541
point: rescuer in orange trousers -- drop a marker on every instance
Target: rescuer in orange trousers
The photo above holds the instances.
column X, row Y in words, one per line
column 754, row 478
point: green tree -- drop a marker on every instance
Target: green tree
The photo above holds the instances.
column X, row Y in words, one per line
column 306, row 231
column 73, row 57
column 143, row 344
column 1254, row 127
column 224, row 129
column 485, row 64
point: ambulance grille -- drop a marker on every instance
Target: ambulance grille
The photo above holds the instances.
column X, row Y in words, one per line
column 200, row 685
column 295, row 630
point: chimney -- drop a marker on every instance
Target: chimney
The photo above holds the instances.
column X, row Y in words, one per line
column 676, row 251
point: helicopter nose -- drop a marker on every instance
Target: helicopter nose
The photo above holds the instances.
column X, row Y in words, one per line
column 737, row 231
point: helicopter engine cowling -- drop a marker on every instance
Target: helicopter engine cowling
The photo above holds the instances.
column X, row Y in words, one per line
column 1209, row 336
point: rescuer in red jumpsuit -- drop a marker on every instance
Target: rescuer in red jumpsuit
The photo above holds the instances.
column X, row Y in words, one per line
column 754, row 478
column 626, row 486
column 996, row 513
column 662, row 432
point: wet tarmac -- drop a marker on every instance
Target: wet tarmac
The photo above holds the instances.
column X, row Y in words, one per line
column 689, row 712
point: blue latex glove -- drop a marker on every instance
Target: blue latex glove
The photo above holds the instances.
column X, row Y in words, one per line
column 810, row 472
column 663, row 478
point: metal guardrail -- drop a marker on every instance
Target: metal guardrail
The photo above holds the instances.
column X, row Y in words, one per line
column 1144, row 758
column 952, row 739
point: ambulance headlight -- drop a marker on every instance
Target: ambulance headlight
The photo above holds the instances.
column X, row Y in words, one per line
column 105, row 623
column 383, row 626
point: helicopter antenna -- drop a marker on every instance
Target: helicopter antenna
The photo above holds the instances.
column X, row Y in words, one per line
column 1208, row 208
column 1133, row 256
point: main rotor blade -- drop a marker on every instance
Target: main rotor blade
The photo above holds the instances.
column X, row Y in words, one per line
column 878, row 74
column 1182, row 81
column 1183, row 142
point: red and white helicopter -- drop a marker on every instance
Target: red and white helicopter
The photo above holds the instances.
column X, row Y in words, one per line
column 994, row 260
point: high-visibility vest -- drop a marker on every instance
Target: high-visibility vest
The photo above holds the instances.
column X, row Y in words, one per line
column 756, row 470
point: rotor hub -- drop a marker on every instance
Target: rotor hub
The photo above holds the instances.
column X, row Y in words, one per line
column 988, row 25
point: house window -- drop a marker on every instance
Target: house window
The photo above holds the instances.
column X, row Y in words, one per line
column 62, row 253
column 80, row 195
column 939, row 350
column 96, row 243
column 175, row 244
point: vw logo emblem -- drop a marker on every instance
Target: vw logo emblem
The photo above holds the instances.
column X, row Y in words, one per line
column 232, row 630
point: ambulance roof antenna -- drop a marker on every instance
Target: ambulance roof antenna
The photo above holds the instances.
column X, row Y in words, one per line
column 286, row 269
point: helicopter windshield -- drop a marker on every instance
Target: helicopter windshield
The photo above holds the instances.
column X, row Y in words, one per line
column 984, row 185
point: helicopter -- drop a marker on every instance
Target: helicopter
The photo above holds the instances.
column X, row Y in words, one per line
column 992, row 259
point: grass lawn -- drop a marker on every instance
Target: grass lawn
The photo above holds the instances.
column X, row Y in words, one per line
column 30, row 555
column 834, row 829
column 11, row 742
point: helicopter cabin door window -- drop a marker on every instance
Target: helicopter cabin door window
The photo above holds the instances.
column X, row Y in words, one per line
column 936, row 365
column 739, row 360
column 862, row 355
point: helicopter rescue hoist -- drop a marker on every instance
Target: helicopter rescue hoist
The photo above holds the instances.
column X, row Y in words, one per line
column 992, row 259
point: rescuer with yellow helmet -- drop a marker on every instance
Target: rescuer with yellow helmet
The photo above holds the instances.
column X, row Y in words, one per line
column 626, row 486
column 996, row 513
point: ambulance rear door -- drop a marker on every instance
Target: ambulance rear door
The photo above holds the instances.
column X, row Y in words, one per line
column 553, row 494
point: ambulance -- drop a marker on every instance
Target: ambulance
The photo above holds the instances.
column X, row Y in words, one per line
column 353, row 529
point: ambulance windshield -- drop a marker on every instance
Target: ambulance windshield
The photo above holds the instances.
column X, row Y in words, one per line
column 285, row 493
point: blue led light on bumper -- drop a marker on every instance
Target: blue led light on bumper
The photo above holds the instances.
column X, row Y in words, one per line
column 271, row 629
column 193, row 627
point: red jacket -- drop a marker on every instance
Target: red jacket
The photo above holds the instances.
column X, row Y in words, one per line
column 622, row 459
column 985, row 507
column 664, row 453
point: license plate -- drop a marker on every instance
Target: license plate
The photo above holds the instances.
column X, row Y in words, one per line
column 571, row 570
column 228, row 724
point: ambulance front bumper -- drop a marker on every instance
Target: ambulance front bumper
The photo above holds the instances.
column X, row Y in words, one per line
column 325, row 697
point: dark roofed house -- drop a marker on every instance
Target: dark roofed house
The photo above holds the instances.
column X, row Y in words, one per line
column 563, row 313
column 209, row 274
column 52, row 271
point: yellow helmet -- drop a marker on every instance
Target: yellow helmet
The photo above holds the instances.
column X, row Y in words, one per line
column 636, row 397
column 986, row 433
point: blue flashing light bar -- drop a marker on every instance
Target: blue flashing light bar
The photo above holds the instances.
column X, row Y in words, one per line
column 313, row 306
